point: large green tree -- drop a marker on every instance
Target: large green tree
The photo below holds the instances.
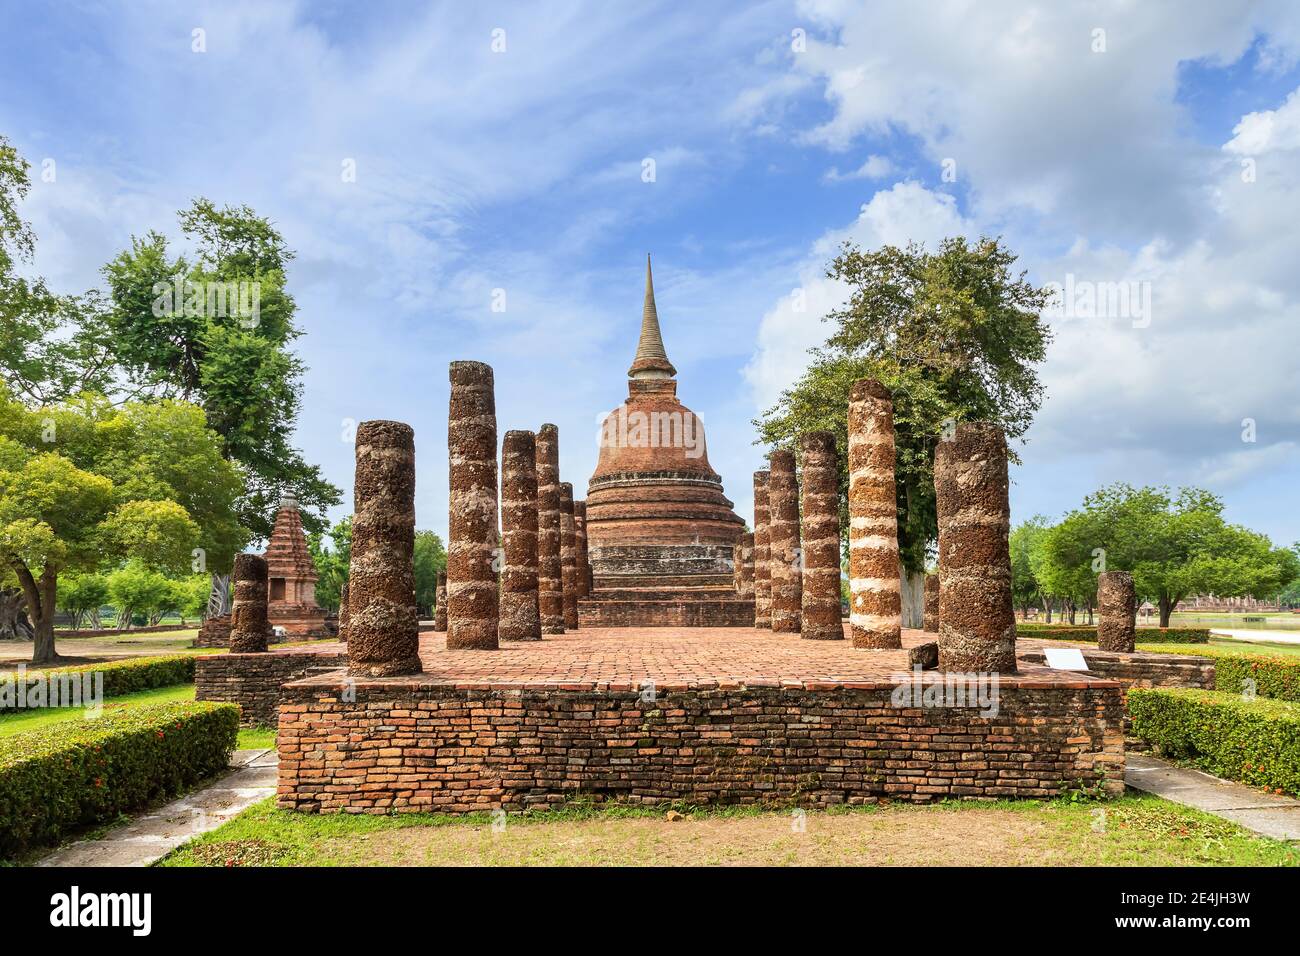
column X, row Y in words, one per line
column 84, row 484
column 215, row 328
column 430, row 558
column 954, row 333
column 1175, row 545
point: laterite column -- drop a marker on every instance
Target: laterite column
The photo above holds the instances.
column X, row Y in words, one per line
column 440, row 603
column 550, row 589
column 519, row 616
column 977, row 630
column 785, row 560
column 472, row 597
column 580, row 541
column 820, row 534
column 875, row 598
column 742, row 559
column 568, row 558
column 1116, row 612
column 343, row 612
column 930, row 619
column 383, row 621
column 249, row 627
column 762, row 553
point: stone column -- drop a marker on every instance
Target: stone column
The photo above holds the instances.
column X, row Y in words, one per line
column 875, row 595
column 383, row 621
column 742, row 559
column 343, row 612
column 440, row 603
column 820, row 534
column 1116, row 612
column 930, row 620
column 550, row 589
column 785, row 558
column 762, row 553
column 580, row 541
column 568, row 558
column 249, row 628
column 519, row 616
column 977, row 631
column 472, row 597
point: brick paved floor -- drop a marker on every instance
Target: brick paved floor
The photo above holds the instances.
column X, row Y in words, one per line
column 677, row 659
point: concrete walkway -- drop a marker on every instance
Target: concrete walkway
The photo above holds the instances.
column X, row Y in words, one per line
column 1264, row 813
column 153, row 835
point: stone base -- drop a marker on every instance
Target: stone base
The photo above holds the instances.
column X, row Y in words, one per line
column 301, row 622
column 254, row 681
column 659, row 560
column 683, row 600
column 648, row 717
column 215, row 632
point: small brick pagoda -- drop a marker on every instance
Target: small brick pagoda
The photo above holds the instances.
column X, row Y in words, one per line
column 292, row 577
column 660, row 531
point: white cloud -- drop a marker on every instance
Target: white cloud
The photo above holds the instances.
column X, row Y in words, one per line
column 876, row 167
column 1268, row 130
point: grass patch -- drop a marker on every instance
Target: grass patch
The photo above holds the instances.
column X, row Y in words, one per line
column 1135, row 829
column 256, row 738
column 20, row 721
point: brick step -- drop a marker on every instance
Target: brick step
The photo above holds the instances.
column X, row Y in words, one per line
column 663, row 594
column 733, row 612
column 663, row 580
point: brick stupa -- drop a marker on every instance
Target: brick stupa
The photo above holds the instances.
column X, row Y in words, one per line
column 660, row 530
column 291, row 577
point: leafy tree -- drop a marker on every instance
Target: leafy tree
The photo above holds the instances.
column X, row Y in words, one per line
column 1174, row 546
column 1026, row 541
column 82, row 595
column 215, row 329
column 83, row 483
column 954, row 334
column 51, row 346
column 430, row 558
column 136, row 589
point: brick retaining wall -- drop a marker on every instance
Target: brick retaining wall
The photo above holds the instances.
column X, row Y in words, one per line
column 407, row 745
column 253, row 681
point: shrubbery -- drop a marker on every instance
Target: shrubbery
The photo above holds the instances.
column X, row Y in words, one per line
column 121, row 677
column 77, row 773
column 1078, row 632
column 1254, row 741
column 1275, row 677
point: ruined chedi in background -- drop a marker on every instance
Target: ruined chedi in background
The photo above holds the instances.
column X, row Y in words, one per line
column 977, row 630
column 520, row 620
column 744, row 561
column 291, row 595
column 1116, row 612
column 383, row 621
column 550, row 591
column 472, row 597
column 568, row 558
column 820, row 536
column 440, row 602
column 762, row 553
column 875, row 600
column 249, row 628
column 785, row 558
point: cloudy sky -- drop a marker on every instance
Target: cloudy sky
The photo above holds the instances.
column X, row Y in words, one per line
column 1148, row 144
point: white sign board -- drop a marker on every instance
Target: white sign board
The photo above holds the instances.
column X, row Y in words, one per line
column 1065, row 659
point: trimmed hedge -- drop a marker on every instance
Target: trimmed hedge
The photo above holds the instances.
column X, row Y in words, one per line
column 1256, row 741
column 120, row 677
column 1275, row 677
column 78, row 773
column 1145, row 635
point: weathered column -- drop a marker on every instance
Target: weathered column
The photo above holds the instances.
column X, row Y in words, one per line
column 580, row 541
column 568, row 557
column 472, row 598
column 440, row 602
column 383, row 621
column 519, row 617
column 1116, row 612
column 930, row 618
column 249, row 627
column 742, row 559
column 977, row 630
column 762, row 553
column 550, row 588
column 786, row 559
column 343, row 612
column 875, row 596
column 820, row 534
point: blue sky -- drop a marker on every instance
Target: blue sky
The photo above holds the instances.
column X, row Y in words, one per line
column 776, row 131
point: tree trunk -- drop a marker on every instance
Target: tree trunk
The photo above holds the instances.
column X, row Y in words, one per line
column 913, row 597
column 40, row 601
column 1069, row 606
column 1166, row 608
column 14, row 625
column 1047, row 609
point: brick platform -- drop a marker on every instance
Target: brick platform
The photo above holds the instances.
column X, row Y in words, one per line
column 735, row 715
column 254, row 681
column 677, row 601
column 1136, row 669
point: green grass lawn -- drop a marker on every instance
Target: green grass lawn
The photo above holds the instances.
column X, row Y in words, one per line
column 18, row 721
column 1132, row 830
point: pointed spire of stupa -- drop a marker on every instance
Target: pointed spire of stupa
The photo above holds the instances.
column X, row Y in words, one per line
column 651, row 360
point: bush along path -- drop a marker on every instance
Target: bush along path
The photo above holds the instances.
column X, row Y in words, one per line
column 150, row 837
